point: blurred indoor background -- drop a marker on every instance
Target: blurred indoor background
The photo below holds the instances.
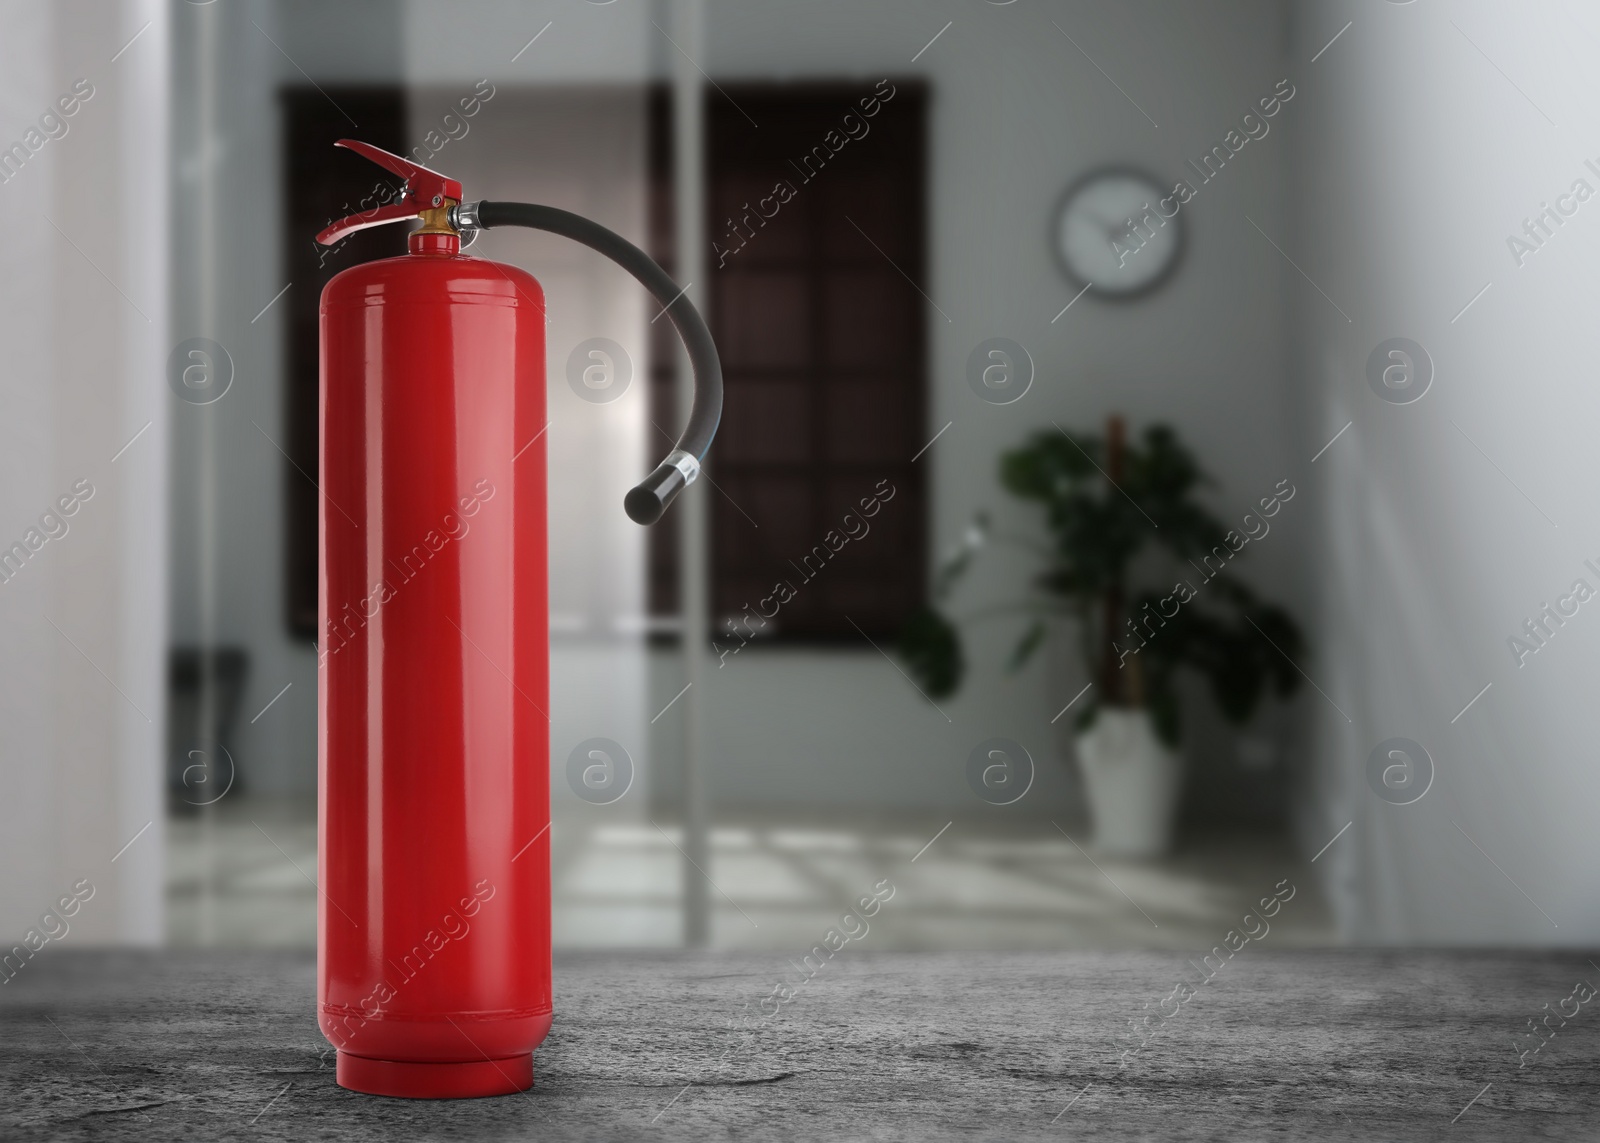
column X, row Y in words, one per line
column 159, row 684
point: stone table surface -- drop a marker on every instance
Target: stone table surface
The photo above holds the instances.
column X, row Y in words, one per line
column 1291, row 1044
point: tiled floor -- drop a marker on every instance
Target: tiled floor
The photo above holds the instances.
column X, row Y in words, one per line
column 780, row 885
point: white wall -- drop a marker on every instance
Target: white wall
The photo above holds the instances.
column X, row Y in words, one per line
column 1421, row 157
column 83, row 278
column 222, row 284
column 1016, row 114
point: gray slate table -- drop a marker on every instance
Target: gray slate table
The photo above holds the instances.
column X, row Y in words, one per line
column 1283, row 1045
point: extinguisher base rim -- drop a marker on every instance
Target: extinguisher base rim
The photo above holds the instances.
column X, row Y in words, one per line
column 408, row 1079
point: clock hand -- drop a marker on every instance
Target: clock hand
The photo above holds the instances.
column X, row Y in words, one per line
column 1112, row 232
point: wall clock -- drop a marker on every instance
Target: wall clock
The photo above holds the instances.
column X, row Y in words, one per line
column 1098, row 243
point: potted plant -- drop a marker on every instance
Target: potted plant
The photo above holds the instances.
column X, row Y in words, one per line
column 1122, row 521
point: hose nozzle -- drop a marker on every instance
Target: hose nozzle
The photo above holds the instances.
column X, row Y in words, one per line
column 646, row 502
column 650, row 497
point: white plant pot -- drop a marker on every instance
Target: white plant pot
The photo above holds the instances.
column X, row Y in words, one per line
column 1132, row 781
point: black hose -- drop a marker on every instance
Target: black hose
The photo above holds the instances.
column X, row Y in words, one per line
column 645, row 503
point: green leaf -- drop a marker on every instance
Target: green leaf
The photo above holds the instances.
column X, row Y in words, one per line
column 1163, row 703
column 1027, row 645
column 931, row 647
column 955, row 564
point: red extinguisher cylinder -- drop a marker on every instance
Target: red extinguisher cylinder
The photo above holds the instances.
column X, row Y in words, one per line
column 433, row 925
column 433, row 965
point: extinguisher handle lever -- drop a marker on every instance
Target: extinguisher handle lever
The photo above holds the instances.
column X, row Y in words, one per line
column 423, row 190
column 649, row 499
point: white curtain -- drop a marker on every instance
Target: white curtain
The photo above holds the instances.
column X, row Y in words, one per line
column 83, row 316
column 1447, row 523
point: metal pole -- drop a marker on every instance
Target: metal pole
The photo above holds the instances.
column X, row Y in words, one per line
column 688, row 137
column 208, row 45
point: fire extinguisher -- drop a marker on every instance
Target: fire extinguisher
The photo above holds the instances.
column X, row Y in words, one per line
column 433, row 926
